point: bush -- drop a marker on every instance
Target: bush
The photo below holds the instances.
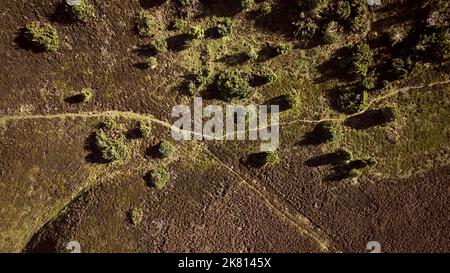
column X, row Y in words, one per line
column 109, row 124
column 325, row 132
column 271, row 158
column 224, row 27
column 288, row 101
column 178, row 24
column 144, row 24
column 159, row 45
column 330, row 34
column 233, row 84
column 244, row 4
column 81, row 11
column 135, row 216
column 436, row 45
column 398, row 68
column 42, row 35
column 198, row 32
column 152, row 62
column 165, row 149
column 351, row 102
column 362, row 59
column 353, row 168
column 266, row 8
column 145, row 129
column 305, row 28
column 159, row 177
column 251, row 54
column 270, row 76
column 111, row 150
column 283, row 48
column 369, row 82
column 86, row 94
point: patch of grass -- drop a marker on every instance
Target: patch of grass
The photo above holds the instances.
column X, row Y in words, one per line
column 165, row 149
column 42, row 35
column 145, row 129
column 145, row 24
column 135, row 216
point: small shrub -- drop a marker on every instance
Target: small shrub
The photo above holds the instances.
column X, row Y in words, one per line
column 399, row 68
column 244, row 4
column 270, row 76
column 305, row 28
column 369, row 82
column 224, row 27
column 251, row 54
column 436, row 46
column 362, row 59
column 330, row 34
column 351, row 102
column 360, row 21
column 159, row 45
column 135, row 216
column 81, row 11
column 198, row 32
column 42, row 35
column 144, row 23
column 266, row 8
column 288, row 101
column 325, row 132
column 165, row 149
column 145, row 129
column 203, row 76
column 152, row 63
column 111, row 150
column 178, row 24
column 271, row 158
column 283, row 48
column 159, row 177
column 233, row 84
column 86, row 94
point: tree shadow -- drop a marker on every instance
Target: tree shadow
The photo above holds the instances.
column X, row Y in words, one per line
column 153, row 151
column 75, row 99
column 282, row 101
column 255, row 160
column 266, row 53
column 370, row 118
column 178, row 42
column 24, row 43
column 337, row 67
column 234, row 59
column 94, row 155
column 61, row 16
column 327, row 159
column 147, row 4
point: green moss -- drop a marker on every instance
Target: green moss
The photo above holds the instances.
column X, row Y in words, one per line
column 158, row 177
column 82, row 11
column 43, row 35
column 145, row 23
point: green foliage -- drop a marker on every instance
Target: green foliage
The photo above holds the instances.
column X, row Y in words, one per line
column 270, row 76
column 330, row 34
column 109, row 124
column 145, row 23
column 436, row 46
column 152, row 62
column 251, row 54
column 244, row 4
column 178, row 24
column 165, row 149
column 111, row 150
column 145, row 129
column 86, row 94
column 82, row 11
column 197, row 32
column 305, row 28
column 233, row 84
column 283, row 48
column 159, row 177
column 224, row 26
column 351, row 102
column 42, row 35
column 271, row 158
column 399, row 68
column 362, row 59
column 288, row 101
column 369, row 82
column 360, row 21
column 266, row 8
column 344, row 9
column 159, row 45
column 135, row 216
column 325, row 132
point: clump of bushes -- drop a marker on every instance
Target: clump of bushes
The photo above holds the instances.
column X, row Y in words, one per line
column 362, row 59
column 82, row 11
column 158, row 177
column 436, row 46
column 135, row 216
column 283, row 48
column 110, row 149
column 200, row 79
column 351, row 102
column 145, row 23
column 165, row 149
column 233, row 84
column 42, row 35
column 369, row 82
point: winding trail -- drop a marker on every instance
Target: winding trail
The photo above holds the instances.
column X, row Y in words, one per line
column 301, row 222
